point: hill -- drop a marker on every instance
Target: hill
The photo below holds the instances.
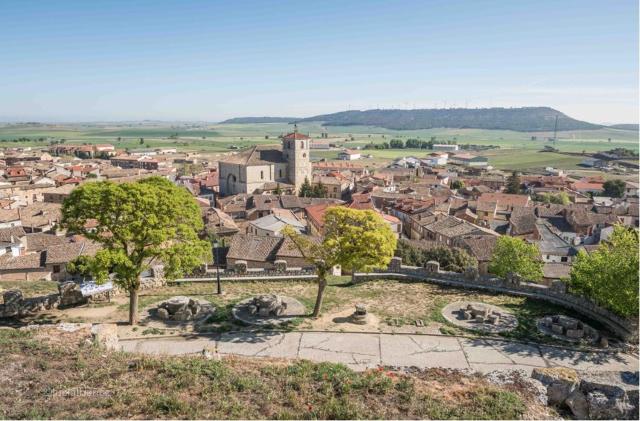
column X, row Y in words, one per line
column 258, row 120
column 527, row 119
column 632, row 127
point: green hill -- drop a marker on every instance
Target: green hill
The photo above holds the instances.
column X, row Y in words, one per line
column 527, row 119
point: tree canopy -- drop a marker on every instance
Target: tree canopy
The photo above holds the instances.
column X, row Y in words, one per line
column 609, row 275
column 614, row 188
column 354, row 239
column 137, row 224
column 514, row 184
column 457, row 184
column 560, row 198
column 514, row 255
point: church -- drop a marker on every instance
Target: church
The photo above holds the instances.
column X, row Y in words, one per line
column 264, row 168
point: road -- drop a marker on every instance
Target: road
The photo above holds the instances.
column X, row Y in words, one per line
column 367, row 350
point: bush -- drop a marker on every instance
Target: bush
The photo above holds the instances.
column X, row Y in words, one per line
column 451, row 259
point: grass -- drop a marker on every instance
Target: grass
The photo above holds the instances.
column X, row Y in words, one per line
column 396, row 303
column 31, row 288
column 218, row 137
column 80, row 381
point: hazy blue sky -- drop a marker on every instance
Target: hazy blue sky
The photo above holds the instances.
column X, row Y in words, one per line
column 210, row 60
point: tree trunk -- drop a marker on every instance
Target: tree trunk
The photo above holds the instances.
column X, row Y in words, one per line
column 133, row 306
column 322, row 284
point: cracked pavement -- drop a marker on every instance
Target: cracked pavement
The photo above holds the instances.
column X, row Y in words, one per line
column 367, row 350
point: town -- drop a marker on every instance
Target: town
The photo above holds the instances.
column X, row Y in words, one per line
column 319, row 210
column 443, row 198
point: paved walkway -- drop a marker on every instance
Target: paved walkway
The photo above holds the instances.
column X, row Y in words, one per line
column 366, row 350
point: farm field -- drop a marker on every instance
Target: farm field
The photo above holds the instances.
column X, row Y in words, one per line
column 516, row 150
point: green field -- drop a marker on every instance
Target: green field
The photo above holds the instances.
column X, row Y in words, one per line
column 517, row 149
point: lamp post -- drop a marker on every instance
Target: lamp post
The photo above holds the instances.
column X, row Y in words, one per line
column 215, row 247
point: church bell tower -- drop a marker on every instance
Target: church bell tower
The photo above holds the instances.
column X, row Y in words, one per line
column 295, row 149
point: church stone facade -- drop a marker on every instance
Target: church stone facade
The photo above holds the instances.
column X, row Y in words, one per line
column 266, row 168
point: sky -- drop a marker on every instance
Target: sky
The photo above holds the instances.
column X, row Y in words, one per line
column 212, row 60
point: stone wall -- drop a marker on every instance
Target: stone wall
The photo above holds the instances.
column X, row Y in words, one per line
column 16, row 306
column 556, row 293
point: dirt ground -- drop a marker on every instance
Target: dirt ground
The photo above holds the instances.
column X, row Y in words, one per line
column 394, row 306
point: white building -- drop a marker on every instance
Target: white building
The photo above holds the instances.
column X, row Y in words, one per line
column 436, row 158
column 273, row 224
column 349, row 155
column 445, row 147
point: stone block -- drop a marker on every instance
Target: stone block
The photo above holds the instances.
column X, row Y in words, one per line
column 395, row 264
column 493, row 319
column 432, row 266
column 240, row 267
column 557, row 329
column 577, row 403
column 280, row 265
column 479, row 319
column 574, row 333
column 163, row 314
column 105, row 335
column 603, row 407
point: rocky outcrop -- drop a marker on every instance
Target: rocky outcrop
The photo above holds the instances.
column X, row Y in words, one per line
column 591, row 395
column 15, row 305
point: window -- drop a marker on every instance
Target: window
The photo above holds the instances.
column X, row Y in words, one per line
column 302, row 144
column 304, row 155
column 56, row 269
column 564, row 259
column 280, row 173
column 261, row 175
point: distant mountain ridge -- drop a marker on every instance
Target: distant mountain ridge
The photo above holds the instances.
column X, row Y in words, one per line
column 525, row 119
column 632, row 127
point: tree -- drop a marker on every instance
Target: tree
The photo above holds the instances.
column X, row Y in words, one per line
column 305, row 189
column 513, row 183
column 609, row 275
column 354, row 239
column 514, row 255
column 560, row 198
column 614, row 188
column 136, row 224
column 457, row 184
column 142, row 140
column 319, row 190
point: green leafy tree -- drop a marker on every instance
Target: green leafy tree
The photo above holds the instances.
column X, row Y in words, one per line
column 514, row 255
column 609, row 275
column 514, row 186
column 614, row 188
column 457, row 184
column 305, row 189
column 560, row 198
column 137, row 224
column 354, row 239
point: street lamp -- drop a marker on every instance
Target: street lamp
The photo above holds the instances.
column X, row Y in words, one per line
column 215, row 247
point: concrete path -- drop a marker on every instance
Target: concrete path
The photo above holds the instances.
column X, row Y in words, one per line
column 367, row 350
